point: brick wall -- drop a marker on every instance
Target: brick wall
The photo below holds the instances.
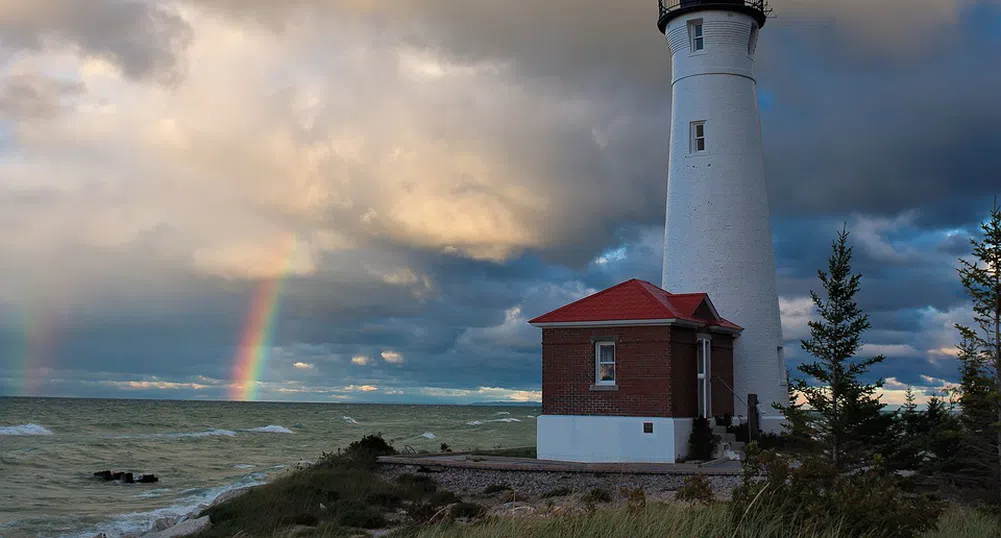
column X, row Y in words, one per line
column 642, row 364
column 655, row 372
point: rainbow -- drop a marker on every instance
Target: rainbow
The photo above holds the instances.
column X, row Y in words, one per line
column 39, row 339
column 255, row 344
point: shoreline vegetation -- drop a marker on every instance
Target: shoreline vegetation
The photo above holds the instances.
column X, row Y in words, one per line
column 349, row 494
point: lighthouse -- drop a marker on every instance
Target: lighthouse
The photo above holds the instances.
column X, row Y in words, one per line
column 717, row 232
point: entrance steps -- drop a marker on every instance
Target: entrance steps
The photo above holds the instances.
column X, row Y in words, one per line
column 729, row 447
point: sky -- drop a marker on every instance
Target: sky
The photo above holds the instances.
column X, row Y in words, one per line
column 362, row 201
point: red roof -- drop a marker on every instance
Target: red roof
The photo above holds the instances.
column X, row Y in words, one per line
column 638, row 300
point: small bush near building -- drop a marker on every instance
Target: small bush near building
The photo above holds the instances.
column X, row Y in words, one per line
column 702, row 442
column 695, row 489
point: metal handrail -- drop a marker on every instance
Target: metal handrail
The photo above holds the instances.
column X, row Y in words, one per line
column 759, row 8
column 735, row 397
column 667, row 6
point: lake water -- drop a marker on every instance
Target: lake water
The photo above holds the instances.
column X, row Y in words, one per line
column 49, row 449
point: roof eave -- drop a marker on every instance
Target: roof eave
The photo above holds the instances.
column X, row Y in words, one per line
column 614, row 323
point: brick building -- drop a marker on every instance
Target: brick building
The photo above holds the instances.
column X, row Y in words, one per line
column 626, row 371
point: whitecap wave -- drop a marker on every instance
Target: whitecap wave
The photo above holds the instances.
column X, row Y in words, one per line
column 214, row 432
column 350, row 420
column 429, row 435
column 531, row 416
column 502, row 413
column 271, row 428
column 243, row 466
column 474, row 422
column 509, row 419
column 25, row 429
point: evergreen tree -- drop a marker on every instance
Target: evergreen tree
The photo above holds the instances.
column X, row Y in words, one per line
column 980, row 352
column 844, row 415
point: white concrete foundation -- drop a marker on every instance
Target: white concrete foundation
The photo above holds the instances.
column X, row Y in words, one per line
column 598, row 439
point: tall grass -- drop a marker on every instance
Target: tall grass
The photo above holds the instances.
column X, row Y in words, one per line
column 680, row 521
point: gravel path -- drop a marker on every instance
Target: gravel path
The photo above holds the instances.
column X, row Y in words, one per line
column 535, row 483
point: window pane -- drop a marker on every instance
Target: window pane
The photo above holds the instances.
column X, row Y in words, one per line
column 606, row 354
column 700, row 130
column 607, row 372
column 698, row 43
column 701, row 144
column 698, row 30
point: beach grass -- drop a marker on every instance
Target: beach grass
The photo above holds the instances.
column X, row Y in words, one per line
column 679, row 521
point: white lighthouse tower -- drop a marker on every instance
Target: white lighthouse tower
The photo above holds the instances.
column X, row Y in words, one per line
column 718, row 236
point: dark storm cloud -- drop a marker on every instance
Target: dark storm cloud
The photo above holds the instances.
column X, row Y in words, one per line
column 142, row 38
column 854, row 133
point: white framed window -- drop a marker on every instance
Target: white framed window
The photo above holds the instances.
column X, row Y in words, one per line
column 604, row 363
column 703, row 360
column 697, row 37
column 698, row 136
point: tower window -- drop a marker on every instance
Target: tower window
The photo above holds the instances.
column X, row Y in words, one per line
column 698, row 136
column 698, row 40
column 604, row 363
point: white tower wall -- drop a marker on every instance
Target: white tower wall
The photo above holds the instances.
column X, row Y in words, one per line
column 718, row 235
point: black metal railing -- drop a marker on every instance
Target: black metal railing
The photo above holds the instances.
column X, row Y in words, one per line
column 760, row 8
column 728, row 387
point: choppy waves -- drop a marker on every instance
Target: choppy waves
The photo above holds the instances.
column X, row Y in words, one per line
column 25, row 429
column 272, row 428
column 213, row 432
column 350, row 420
column 481, row 422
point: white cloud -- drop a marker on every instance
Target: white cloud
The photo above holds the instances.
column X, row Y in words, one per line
column 361, row 388
column 796, row 313
column 303, row 366
column 392, row 357
column 360, row 360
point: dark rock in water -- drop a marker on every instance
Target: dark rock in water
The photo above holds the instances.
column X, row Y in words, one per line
column 127, row 478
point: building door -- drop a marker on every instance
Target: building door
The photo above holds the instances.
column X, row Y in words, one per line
column 703, row 358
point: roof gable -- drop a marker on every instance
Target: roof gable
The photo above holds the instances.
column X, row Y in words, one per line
column 638, row 300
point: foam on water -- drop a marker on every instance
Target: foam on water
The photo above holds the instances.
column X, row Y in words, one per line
column 24, row 429
column 429, row 435
column 510, row 419
column 350, row 420
column 502, row 413
column 272, row 428
column 214, row 432
column 136, row 522
column 474, row 422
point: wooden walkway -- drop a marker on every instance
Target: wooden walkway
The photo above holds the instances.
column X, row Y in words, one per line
column 500, row 463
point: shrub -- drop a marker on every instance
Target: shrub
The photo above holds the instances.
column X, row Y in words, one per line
column 443, row 497
column 702, row 442
column 358, row 514
column 467, row 510
column 445, row 447
column 695, row 489
column 509, row 496
column 367, row 449
column 422, row 512
column 635, row 499
column 494, row 488
column 417, row 483
column 558, row 492
column 596, row 495
column 868, row 503
column 385, row 499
